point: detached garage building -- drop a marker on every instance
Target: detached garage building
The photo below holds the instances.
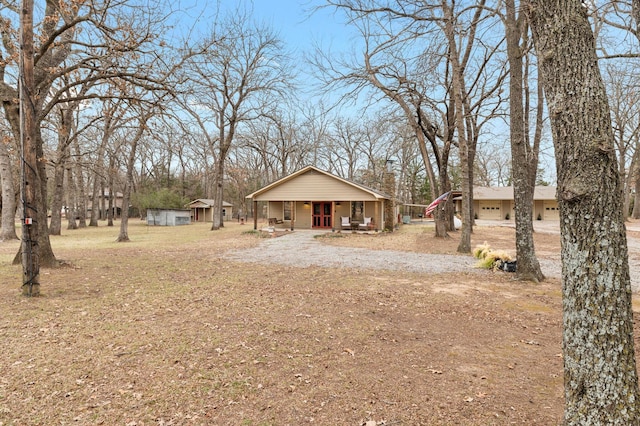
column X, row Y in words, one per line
column 496, row 203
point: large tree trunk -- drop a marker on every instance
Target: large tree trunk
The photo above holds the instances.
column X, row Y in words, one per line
column 72, row 210
column 31, row 181
column 97, row 203
column 465, row 150
column 8, row 227
column 601, row 384
column 466, row 164
column 524, row 159
column 80, row 195
column 55, row 227
column 218, row 195
column 62, row 154
column 226, row 137
column 126, row 195
column 124, row 216
column 636, row 199
column 110, row 185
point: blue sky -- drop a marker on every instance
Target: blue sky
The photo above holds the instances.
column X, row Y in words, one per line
column 299, row 28
column 291, row 19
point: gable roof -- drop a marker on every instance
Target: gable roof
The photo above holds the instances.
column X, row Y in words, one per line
column 506, row 193
column 314, row 170
column 205, row 203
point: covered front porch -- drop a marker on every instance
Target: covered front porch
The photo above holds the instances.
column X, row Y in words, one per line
column 324, row 214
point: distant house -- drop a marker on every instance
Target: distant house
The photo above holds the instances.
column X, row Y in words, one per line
column 315, row 199
column 496, row 203
column 103, row 204
column 168, row 217
column 202, row 210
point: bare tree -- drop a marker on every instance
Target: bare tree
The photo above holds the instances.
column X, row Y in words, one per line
column 469, row 98
column 524, row 155
column 111, row 117
column 144, row 114
column 32, row 172
column 621, row 82
column 601, row 383
column 277, row 139
column 493, row 164
column 238, row 71
column 80, row 41
column 64, row 117
column 402, row 80
column 8, row 226
column 452, row 63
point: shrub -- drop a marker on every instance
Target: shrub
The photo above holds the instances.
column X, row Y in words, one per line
column 481, row 250
column 490, row 259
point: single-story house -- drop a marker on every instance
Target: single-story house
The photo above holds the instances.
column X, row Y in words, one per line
column 168, row 217
column 202, row 210
column 103, row 204
column 496, row 203
column 315, row 199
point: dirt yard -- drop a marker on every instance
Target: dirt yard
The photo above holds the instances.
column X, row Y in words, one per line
column 165, row 330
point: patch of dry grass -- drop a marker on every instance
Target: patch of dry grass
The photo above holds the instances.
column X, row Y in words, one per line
column 165, row 330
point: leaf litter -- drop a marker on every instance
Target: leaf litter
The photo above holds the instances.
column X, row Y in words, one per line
column 166, row 330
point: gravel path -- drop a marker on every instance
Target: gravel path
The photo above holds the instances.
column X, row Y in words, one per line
column 300, row 248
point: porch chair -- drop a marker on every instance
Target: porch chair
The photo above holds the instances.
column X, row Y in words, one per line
column 345, row 222
column 365, row 225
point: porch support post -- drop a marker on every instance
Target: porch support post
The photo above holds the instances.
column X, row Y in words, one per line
column 333, row 215
column 292, row 209
column 255, row 215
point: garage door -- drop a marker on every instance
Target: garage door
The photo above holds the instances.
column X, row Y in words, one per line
column 551, row 210
column 490, row 210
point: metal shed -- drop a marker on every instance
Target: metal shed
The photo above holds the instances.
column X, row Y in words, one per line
column 168, row 217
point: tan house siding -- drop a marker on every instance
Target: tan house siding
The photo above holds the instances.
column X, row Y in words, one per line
column 538, row 209
column 344, row 209
column 322, row 187
column 373, row 211
column 275, row 209
column 496, row 202
column 303, row 215
column 551, row 210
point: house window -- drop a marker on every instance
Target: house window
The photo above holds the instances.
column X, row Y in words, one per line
column 357, row 210
column 287, row 211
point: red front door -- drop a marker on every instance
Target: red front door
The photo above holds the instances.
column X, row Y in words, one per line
column 322, row 215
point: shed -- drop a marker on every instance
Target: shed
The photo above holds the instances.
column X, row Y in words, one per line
column 202, row 210
column 168, row 217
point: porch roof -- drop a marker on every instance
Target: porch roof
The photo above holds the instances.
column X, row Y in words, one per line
column 311, row 183
column 506, row 193
column 205, row 203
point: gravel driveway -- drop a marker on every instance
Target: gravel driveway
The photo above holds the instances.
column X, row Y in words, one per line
column 300, row 248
